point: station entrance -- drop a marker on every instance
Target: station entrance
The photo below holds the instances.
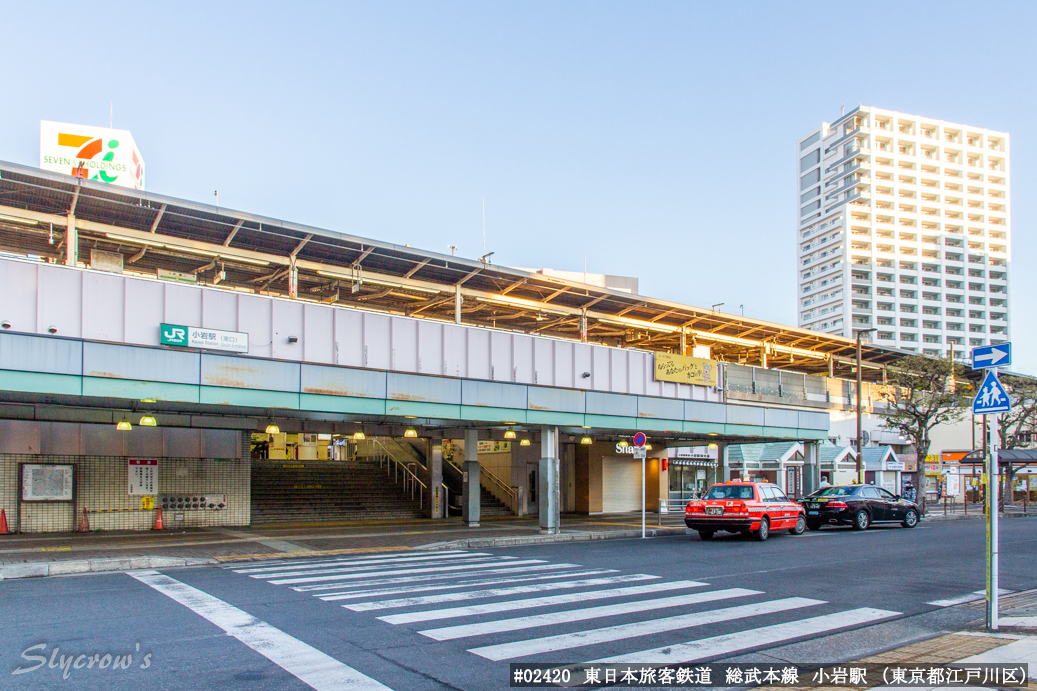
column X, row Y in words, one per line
column 324, row 478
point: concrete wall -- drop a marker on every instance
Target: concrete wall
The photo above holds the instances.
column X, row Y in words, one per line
column 191, row 462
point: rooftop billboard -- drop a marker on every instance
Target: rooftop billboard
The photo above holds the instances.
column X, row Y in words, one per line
column 93, row 153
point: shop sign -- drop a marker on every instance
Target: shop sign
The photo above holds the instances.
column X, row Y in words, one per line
column 932, row 468
column 895, row 465
column 494, row 446
column 703, row 452
column 953, row 486
column 684, row 369
column 93, row 153
column 197, row 337
column 910, row 467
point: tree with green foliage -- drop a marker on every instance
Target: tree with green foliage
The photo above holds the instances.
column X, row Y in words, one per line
column 924, row 392
column 1018, row 423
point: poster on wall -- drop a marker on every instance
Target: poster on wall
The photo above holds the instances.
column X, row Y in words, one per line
column 685, row 369
column 46, row 482
column 143, row 475
column 494, row 446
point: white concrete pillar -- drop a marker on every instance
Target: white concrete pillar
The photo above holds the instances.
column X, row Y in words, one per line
column 548, row 500
column 71, row 242
column 471, row 487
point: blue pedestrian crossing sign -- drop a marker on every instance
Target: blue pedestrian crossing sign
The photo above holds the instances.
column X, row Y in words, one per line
column 992, row 397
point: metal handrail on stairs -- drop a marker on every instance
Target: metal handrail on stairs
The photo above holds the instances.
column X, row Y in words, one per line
column 394, row 466
column 510, row 492
column 410, row 479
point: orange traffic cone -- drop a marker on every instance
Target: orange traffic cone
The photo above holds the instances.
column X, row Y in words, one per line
column 159, row 525
column 3, row 523
column 84, row 525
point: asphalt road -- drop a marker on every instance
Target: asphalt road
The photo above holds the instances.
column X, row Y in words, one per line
column 826, row 596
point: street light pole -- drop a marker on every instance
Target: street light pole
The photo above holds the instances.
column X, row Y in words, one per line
column 860, row 431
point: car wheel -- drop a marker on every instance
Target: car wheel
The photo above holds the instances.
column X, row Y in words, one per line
column 814, row 524
column 861, row 520
column 764, row 532
column 911, row 519
column 706, row 534
column 801, row 526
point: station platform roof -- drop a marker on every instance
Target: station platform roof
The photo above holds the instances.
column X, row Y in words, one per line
column 252, row 253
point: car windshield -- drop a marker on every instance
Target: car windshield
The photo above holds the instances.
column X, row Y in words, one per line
column 730, row 492
column 835, row 492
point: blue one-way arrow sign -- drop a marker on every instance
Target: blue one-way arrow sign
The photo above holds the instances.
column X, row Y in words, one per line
column 992, row 356
column 992, row 397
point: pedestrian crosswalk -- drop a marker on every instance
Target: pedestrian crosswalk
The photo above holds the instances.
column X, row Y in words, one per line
column 501, row 607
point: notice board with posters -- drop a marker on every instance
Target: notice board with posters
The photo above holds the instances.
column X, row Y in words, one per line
column 143, row 476
column 47, row 482
column 684, row 369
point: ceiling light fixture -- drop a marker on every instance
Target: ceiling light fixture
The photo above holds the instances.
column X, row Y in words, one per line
column 586, row 441
column 123, row 426
column 520, row 302
column 136, row 241
column 411, row 433
column 509, row 434
column 359, row 436
column 640, row 324
column 148, row 421
column 273, row 429
column 18, row 219
column 524, row 442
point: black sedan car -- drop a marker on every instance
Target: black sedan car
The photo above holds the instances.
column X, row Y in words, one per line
column 859, row 506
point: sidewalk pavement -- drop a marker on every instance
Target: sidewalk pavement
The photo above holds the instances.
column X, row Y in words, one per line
column 46, row 554
column 940, row 511
column 951, row 648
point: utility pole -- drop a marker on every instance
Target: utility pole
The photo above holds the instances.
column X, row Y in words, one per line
column 860, row 429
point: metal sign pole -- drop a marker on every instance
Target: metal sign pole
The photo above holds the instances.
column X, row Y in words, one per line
column 991, row 399
column 993, row 490
column 644, row 492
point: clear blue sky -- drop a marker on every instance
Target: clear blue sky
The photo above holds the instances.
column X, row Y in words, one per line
column 656, row 138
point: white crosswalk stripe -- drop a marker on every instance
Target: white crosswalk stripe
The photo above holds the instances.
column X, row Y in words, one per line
column 530, row 603
column 390, row 572
column 329, row 569
column 322, row 563
column 358, row 589
column 492, row 592
column 427, row 578
column 548, row 644
column 416, row 585
column 717, row 646
column 569, row 616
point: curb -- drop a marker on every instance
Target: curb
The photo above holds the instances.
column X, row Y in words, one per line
column 483, row 542
column 971, row 517
column 295, row 554
column 42, row 569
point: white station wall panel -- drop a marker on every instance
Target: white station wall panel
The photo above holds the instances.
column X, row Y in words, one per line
column 86, row 304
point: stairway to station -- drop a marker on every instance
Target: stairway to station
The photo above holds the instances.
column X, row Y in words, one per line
column 326, row 491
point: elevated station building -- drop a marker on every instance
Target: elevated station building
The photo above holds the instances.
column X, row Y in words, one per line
column 237, row 369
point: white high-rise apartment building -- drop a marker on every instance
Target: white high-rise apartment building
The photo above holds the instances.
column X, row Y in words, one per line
column 904, row 226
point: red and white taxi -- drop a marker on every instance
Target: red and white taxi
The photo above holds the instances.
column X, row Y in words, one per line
column 755, row 508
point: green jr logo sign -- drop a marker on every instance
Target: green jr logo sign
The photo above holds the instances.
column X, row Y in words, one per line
column 173, row 334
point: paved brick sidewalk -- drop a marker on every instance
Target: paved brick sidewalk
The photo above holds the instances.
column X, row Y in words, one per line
column 942, row 650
